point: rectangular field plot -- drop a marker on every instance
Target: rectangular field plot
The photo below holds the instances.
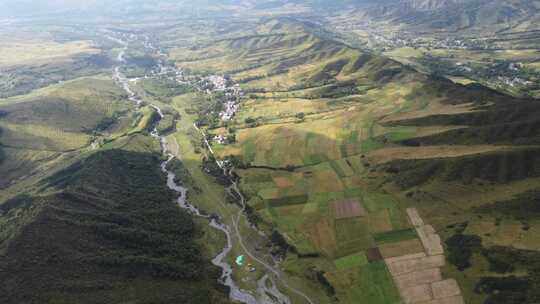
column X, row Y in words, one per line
column 310, row 208
column 391, row 250
column 283, row 181
column 288, row 200
column 375, row 286
column 323, row 236
column 277, row 197
column 416, row 263
column 377, row 201
column 348, row 209
column 416, row 278
column 395, row 236
column 325, row 181
column 351, row 261
column 253, row 176
column 379, row 221
column 352, row 235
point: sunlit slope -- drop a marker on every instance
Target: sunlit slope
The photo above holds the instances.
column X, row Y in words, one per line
column 32, row 58
column 39, row 127
column 323, row 124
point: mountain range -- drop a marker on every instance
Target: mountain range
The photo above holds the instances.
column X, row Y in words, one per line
column 494, row 15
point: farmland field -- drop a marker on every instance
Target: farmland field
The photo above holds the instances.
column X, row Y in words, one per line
column 329, row 128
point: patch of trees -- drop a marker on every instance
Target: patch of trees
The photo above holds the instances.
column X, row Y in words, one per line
column 237, row 161
column 113, row 221
column 511, row 289
column 500, row 289
column 259, row 77
column 500, row 167
column 106, row 122
column 251, row 122
column 211, row 167
column 524, row 207
column 319, row 276
column 505, row 290
column 99, row 60
column 280, row 245
column 460, row 248
column 252, row 216
column 143, row 61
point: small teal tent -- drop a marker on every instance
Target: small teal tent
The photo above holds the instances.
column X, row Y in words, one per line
column 240, row 260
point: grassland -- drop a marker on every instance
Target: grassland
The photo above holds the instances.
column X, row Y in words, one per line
column 49, row 122
column 18, row 51
column 36, row 56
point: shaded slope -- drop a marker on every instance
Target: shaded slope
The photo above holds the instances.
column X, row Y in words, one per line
column 110, row 232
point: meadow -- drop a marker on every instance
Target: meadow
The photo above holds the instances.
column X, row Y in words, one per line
column 41, row 126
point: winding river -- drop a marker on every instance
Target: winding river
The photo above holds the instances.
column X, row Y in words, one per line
column 267, row 291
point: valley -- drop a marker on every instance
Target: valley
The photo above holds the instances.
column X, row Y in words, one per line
column 268, row 158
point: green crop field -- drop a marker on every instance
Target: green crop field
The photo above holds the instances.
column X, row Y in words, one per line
column 351, row 261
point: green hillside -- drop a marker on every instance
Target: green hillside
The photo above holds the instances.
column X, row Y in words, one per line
column 322, row 123
column 104, row 229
